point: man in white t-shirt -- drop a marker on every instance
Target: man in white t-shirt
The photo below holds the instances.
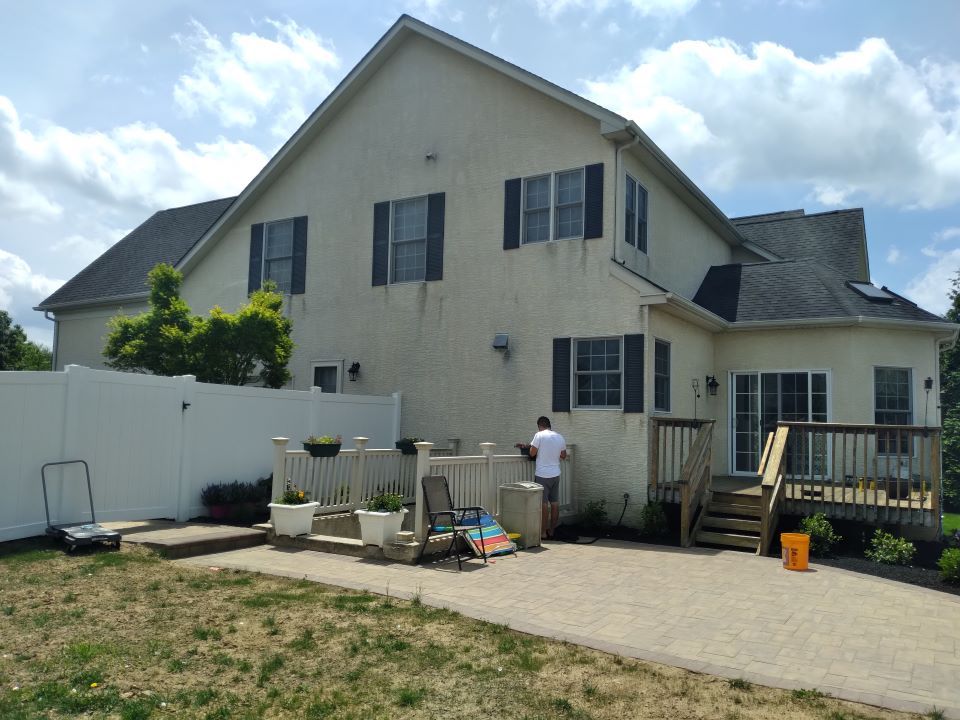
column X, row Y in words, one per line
column 549, row 448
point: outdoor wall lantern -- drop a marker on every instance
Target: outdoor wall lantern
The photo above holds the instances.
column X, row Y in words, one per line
column 928, row 384
column 712, row 385
column 354, row 371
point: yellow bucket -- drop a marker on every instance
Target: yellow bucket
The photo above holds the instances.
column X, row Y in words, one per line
column 796, row 550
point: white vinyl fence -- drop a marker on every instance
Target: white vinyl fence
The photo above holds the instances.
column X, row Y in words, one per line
column 152, row 443
column 347, row 481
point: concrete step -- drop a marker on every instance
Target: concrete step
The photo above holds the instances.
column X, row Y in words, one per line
column 180, row 540
column 717, row 508
column 728, row 539
column 729, row 523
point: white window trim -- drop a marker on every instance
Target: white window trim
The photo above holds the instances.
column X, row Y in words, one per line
column 263, row 252
column 636, row 216
column 669, row 409
column 338, row 364
column 574, row 405
column 426, row 236
column 553, row 206
column 913, row 408
column 732, row 404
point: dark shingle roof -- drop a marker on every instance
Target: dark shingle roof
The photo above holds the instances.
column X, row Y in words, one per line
column 794, row 290
column 122, row 270
column 835, row 238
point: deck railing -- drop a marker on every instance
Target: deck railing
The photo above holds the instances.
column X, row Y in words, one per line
column 347, row 481
column 671, row 440
column 889, row 473
column 772, row 486
column 695, row 478
column 874, row 473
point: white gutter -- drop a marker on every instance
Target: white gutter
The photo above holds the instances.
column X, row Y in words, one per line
column 846, row 321
column 618, row 194
column 56, row 333
column 108, row 300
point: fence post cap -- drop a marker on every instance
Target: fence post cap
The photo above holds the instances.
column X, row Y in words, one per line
column 361, row 442
column 280, row 440
column 421, row 446
column 487, row 447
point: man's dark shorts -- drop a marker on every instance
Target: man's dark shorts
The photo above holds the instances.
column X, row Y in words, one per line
column 551, row 488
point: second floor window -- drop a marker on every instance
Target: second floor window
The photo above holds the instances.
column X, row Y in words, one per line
column 278, row 254
column 635, row 212
column 408, row 240
column 661, row 376
column 553, row 206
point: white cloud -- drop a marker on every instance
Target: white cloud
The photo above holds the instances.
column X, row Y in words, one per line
column 134, row 165
column 931, row 288
column 85, row 250
column 21, row 198
column 613, row 28
column 17, row 279
column 859, row 122
column 647, row 8
column 254, row 79
column 893, row 255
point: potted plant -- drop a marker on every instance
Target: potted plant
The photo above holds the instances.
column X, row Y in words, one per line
column 292, row 513
column 406, row 445
column 322, row 446
column 382, row 519
column 524, row 450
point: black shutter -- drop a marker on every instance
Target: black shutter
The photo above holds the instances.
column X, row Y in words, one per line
column 593, row 201
column 561, row 375
column 511, row 213
column 298, row 279
column 256, row 258
column 436, row 204
column 633, row 373
column 381, row 242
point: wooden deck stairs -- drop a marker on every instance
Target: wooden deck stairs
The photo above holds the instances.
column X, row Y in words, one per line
column 730, row 520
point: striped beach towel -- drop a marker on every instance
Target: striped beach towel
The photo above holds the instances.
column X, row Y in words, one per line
column 495, row 540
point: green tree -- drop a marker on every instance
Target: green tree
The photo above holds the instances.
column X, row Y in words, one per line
column 12, row 339
column 18, row 353
column 250, row 345
column 950, row 408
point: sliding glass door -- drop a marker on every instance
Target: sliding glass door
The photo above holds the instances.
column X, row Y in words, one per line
column 760, row 400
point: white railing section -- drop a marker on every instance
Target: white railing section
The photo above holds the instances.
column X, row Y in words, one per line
column 345, row 482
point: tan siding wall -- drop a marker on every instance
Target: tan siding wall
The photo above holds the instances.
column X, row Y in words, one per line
column 691, row 357
column 849, row 354
column 81, row 335
column 432, row 340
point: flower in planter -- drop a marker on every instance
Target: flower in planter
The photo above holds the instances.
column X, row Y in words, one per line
column 323, row 440
column 293, row 495
column 385, row 502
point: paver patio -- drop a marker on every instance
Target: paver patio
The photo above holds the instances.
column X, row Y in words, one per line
column 721, row 612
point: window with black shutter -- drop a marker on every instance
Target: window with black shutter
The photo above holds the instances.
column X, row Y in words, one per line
column 278, row 252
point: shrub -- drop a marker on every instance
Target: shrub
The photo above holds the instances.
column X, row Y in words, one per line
column 949, row 564
column 386, row 502
column 822, row 536
column 595, row 513
column 653, row 520
column 889, row 550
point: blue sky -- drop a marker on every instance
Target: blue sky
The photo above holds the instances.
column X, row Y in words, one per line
column 110, row 111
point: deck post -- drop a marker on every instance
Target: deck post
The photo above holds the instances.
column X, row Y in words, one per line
column 358, row 472
column 488, row 480
column 279, row 467
column 423, row 469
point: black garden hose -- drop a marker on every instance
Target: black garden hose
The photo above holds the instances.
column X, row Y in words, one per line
column 577, row 541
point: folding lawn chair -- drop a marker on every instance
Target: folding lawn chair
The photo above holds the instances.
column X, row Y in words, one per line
column 443, row 517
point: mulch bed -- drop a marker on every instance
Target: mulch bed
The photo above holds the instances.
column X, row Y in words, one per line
column 912, row 575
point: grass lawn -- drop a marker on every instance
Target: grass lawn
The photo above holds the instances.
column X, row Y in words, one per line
column 125, row 634
column 951, row 523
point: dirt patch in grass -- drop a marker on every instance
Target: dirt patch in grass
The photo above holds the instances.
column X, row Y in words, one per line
column 124, row 634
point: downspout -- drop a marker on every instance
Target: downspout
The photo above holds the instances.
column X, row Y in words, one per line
column 618, row 193
column 56, row 333
column 939, row 346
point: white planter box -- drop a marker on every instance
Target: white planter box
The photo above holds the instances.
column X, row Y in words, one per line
column 292, row 520
column 377, row 528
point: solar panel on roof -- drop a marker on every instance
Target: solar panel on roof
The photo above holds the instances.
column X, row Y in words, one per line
column 871, row 292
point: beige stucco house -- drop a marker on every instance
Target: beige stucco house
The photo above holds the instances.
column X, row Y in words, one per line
column 441, row 197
